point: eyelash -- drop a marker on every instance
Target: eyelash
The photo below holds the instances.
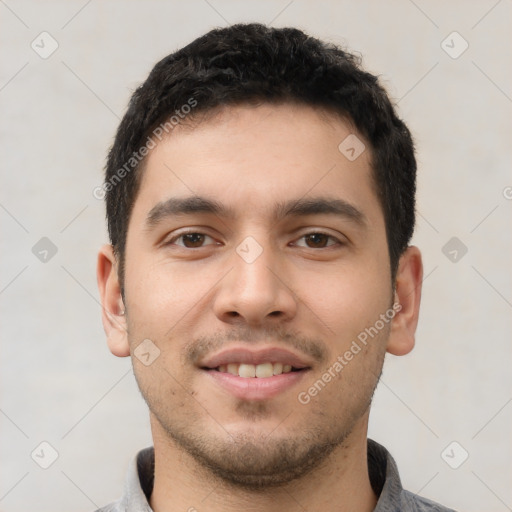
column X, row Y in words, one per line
column 192, row 232
column 184, row 233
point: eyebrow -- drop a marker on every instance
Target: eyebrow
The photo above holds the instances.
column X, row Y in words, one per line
column 320, row 206
column 180, row 206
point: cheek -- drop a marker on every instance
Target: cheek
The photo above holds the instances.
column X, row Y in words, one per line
column 347, row 300
column 160, row 294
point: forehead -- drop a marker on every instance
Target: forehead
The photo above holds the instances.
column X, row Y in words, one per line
column 249, row 158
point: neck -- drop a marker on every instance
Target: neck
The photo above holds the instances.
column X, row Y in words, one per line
column 340, row 484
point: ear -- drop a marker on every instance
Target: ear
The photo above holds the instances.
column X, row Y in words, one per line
column 113, row 314
column 407, row 302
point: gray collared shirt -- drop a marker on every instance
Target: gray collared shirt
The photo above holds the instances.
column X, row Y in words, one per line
column 381, row 467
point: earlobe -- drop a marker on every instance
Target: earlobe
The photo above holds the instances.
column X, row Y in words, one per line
column 113, row 310
column 408, row 295
column 117, row 341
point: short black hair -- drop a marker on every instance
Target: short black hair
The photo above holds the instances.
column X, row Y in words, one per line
column 255, row 64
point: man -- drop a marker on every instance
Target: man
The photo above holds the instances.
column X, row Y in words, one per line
column 260, row 202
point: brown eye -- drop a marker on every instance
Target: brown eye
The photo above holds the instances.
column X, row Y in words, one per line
column 192, row 240
column 317, row 240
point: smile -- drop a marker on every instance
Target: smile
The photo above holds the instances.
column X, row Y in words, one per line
column 260, row 371
column 256, row 372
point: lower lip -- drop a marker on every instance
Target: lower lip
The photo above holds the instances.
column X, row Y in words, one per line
column 255, row 388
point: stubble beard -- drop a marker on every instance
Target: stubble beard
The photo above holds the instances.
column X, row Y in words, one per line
column 255, row 461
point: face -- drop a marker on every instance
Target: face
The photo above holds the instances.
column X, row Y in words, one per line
column 256, row 257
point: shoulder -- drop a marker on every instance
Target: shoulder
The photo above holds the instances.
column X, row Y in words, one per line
column 112, row 507
column 414, row 503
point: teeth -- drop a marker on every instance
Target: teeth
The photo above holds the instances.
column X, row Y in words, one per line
column 278, row 368
column 232, row 368
column 263, row 370
column 247, row 370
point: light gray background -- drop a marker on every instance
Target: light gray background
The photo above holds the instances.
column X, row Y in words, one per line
column 59, row 382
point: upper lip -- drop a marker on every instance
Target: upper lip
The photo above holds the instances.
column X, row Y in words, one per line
column 254, row 356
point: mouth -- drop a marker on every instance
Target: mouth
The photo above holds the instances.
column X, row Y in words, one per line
column 255, row 374
column 256, row 371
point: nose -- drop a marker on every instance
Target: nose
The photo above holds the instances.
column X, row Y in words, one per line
column 256, row 292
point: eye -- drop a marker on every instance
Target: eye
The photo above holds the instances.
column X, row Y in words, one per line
column 191, row 240
column 318, row 240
